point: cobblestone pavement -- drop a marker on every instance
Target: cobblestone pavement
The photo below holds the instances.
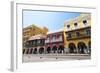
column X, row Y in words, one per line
column 54, row 57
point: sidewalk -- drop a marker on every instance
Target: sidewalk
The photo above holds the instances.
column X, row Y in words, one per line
column 54, row 57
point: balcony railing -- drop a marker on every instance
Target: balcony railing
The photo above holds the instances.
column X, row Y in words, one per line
column 54, row 40
column 57, row 40
column 47, row 41
column 74, row 36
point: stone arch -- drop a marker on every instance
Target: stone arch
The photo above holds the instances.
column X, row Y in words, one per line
column 72, row 48
column 35, row 51
column 61, row 49
column 82, row 48
column 49, row 49
column 54, row 49
column 41, row 50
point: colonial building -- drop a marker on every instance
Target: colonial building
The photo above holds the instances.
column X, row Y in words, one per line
column 51, row 43
column 35, row 45
column 32, row 30
column 54, row 42
column 78, row 34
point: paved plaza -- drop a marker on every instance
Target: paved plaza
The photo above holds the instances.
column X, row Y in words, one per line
column 54, row 57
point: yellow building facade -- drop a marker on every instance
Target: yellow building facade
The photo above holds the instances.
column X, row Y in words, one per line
column 77, row 33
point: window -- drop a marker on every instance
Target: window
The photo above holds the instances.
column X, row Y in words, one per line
column 75, row 24
column 77, row 34
column 54, row 36
column 85, row 22
column 68, row 35
column 33, row 34
column 68, row 26
column 38, row 41
column 42, row 41
column 88, row 32
column 59, row 35
column 33, row 42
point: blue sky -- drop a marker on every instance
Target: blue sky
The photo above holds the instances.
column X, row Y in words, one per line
column 52, row 20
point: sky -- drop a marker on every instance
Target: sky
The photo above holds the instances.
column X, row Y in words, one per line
column 50, row 19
